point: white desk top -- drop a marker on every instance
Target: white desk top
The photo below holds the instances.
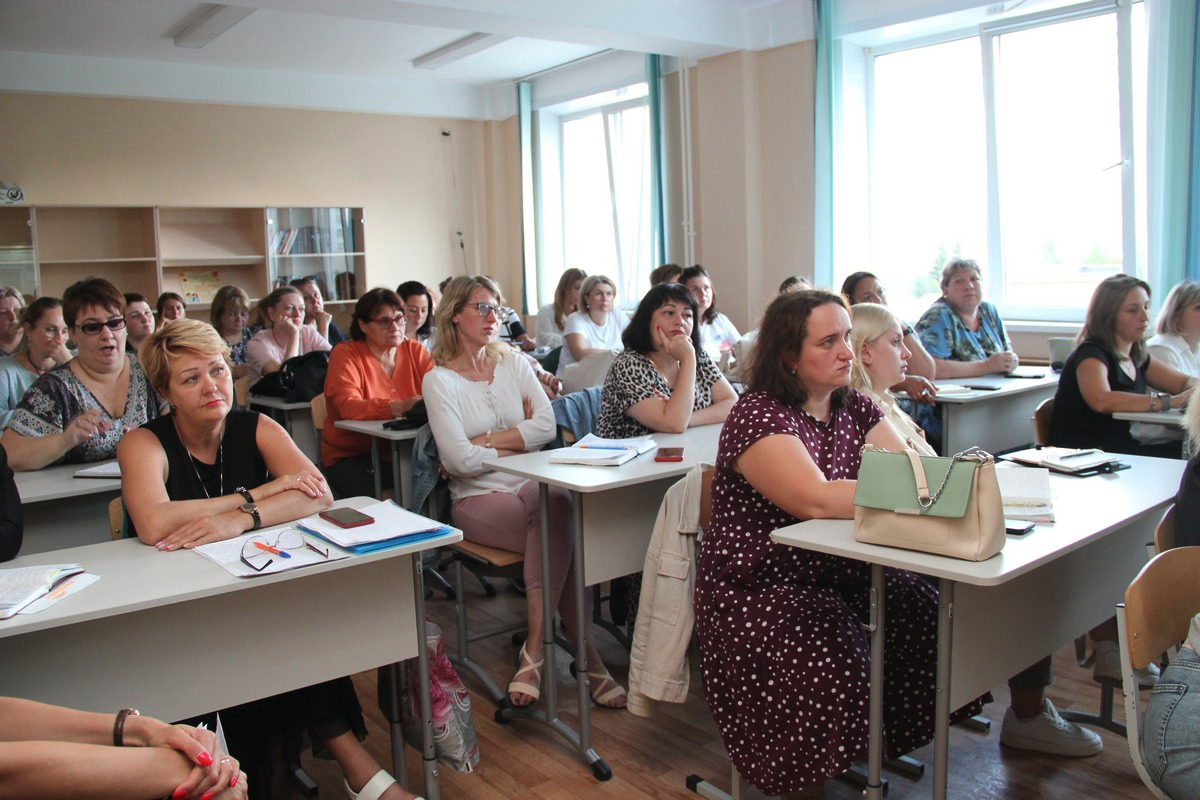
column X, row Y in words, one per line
column 276, row 402
column 1085, row 509
column 1005, row 386
column 135, row 576
column 374, row 427
column 1177, row 417
column 699, row 445
column 57, row 483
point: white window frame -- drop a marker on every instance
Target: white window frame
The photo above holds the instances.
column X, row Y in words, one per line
column 853, row 203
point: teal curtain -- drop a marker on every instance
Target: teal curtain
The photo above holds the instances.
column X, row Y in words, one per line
column 529, row 198
column 1173, row 143
column 658, row 231
column 824, row 146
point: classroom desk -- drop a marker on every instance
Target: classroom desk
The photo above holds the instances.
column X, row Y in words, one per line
column 997, row 420
column 297, row 421
column 1077, row 568
column 618, row 525
column 1177, row 418
column 402, row 445
column 176, row 635
column 52, row 524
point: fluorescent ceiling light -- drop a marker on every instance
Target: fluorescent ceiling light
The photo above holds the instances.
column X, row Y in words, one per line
column 211, row 24
column 467, row 46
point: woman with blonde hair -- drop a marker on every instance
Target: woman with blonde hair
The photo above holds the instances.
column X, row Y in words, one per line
column 881, row 360
column 598, row 324
column 485, row 403
column 207, row 472
column 552, row 317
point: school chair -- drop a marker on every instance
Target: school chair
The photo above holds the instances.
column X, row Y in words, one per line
column 1041, row 421
column 319, row 413
column 1158, row 609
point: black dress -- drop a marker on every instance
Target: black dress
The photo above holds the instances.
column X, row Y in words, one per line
column 329, row 709
column 1075, row 424
column 11, row 525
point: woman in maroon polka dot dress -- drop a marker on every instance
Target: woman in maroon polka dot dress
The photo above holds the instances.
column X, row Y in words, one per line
column 784, row 655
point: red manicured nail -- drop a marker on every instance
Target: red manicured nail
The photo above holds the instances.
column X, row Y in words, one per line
column 179, row 794
column 207, row 796
column 204, row 759
column 233, row 782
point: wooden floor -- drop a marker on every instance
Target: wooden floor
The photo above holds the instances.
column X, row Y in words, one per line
column 651, row 758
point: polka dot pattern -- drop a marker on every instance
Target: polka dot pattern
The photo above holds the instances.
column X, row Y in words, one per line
column 784, row 657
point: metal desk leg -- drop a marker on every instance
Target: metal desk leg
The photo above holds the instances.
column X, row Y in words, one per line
column 375, row 468
column 599, row 768
column 941, row 718
column 874, row 787
column 400, row 496
column 428, row 754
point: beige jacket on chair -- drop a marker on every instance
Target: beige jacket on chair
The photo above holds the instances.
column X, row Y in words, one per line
column 658, row 662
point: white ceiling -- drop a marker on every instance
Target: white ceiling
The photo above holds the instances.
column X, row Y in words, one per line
column 356, row 54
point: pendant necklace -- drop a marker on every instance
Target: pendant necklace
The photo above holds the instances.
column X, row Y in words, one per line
column 196, row 470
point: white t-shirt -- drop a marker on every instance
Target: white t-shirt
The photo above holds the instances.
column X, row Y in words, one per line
column 548, row 334
column 718, row 335
column 600, row 337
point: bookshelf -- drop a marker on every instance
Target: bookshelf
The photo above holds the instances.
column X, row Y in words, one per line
column 188, row 250
column 326, row 243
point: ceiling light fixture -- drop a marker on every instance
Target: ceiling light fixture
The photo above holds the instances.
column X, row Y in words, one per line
column 467, row 46
column 209, row 25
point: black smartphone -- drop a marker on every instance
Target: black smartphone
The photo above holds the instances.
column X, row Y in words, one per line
column 347, row 517
column 1018, row 527
column 981, row 387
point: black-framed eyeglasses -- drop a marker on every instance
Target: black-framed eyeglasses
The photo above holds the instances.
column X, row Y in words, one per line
column 487, row 309
column 92, row 328
column 258, row 551
column 387, row 323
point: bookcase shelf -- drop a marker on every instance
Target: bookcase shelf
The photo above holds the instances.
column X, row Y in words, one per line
column 188, row 250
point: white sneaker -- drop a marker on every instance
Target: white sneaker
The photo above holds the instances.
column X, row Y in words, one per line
column 1048, row 733
column 1107, row 666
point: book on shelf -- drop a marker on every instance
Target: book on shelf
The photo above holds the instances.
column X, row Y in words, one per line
column 1025, row 493
column 592, row 449
column 22, row 586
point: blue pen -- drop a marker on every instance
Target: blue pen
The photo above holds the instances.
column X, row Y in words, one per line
column 598, row 447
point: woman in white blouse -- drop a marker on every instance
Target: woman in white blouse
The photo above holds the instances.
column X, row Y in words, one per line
column 596, row 326
column 1176, row 343
column 881, row 360
column 485, row 403
column 552, row 317
column 717, row 334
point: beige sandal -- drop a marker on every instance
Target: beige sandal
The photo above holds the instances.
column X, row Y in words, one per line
column 605, row 690
column 526, row 664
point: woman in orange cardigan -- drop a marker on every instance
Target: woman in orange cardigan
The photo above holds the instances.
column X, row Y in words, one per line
column 377, row 374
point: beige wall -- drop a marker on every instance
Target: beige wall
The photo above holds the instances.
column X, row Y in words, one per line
column 754, row 117
column 417, row 187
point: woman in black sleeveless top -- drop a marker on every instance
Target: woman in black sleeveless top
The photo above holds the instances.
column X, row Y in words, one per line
column 204, row 473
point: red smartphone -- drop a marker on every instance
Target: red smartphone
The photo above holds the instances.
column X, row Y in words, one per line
column 669, row 454
column 347, row 517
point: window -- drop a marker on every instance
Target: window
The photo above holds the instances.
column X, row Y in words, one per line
column 595, row 174
column 1001, row 143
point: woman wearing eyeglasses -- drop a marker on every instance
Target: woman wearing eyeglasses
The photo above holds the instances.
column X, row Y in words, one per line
column 11, row 334
column 206, row 472
column 45, row 335
column 485, row 403
column 80, row 410
column 229, row 312
column 286, row 336
column 377, row 374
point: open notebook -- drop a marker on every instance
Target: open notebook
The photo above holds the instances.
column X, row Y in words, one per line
column 592, row 449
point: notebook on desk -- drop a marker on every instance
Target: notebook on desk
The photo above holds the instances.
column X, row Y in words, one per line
column 1068, row 460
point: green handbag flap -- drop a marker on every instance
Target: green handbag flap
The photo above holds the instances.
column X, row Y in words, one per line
column 886, row 482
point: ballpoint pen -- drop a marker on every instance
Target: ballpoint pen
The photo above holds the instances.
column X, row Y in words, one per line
column 275, row 550
column 599, row 447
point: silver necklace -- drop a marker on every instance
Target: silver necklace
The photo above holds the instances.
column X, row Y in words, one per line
column 196, row 470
